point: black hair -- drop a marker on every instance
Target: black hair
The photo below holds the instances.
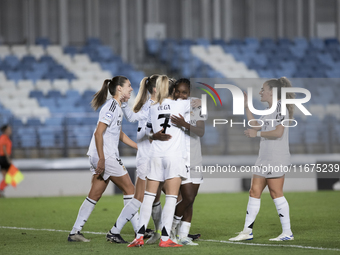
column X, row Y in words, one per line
column 182, row 80
column 3, row 128
column 172, row 82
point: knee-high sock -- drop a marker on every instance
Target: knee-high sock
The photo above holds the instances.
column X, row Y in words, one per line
column 184, row 229
column 135, row 219
column 253, row 209
column 167, row 215
column 282, row 208
column 84, row 213
column 145, row 212
column 128, row 213
column 175, row 222
column 157, row 215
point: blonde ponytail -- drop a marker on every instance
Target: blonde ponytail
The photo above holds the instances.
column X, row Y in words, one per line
column 162, row 88
column 146, row 85
column 141, row 96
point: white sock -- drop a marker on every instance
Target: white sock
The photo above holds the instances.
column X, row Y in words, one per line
column 135, row 219
column 167, row 215
column 253, row 209
column 84, row 213
column 127, row 214
column 184, row 229
column 145, row 212
column 175, row 222
column 282, row 208
column 157, row 215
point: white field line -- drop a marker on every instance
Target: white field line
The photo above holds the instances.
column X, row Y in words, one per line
column 215, row 241
column 274, row 245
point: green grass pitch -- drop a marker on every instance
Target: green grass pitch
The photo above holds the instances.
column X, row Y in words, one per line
column 314, row 217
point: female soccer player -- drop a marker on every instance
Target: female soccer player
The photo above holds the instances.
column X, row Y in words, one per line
column 167, row 162
column 194, row 126
column 104, row 155
column 5, row 154
column 274, row 151
column 140, row 113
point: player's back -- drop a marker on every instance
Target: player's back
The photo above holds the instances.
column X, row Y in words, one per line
column 159, row 117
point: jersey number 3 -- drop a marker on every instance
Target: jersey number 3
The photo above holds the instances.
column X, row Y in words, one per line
column 165, row 124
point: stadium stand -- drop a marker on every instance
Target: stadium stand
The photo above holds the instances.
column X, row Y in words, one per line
column 267, row 58
column 46, row 90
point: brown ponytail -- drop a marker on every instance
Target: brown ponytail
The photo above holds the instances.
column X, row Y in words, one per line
column 282, row 82
column 108, row 85
column 285, row 83
column 100, row 97
column 146, row 85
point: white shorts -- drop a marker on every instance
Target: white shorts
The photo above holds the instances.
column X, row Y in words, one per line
column 113, row 167
column 142, row 166
column 165, row 168
column 269, row 174
column 195, row 177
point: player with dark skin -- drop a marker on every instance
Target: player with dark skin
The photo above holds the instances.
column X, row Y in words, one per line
column 189, row 190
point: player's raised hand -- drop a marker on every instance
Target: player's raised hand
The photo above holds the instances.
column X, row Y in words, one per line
column 245, row 99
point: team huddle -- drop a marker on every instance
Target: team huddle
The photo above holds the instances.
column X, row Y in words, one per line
column 168, row 150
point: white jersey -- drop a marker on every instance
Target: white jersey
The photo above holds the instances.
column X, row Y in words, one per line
column 111, row 115
column 141, row 116
column 274, row 152
column 193, row 142
column 159, row 118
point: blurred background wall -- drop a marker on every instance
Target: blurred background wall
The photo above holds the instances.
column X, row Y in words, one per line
column 125, row 25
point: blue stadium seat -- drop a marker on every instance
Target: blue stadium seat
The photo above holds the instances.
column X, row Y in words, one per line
column 88, row 94
column 301, row 43
column 11, row 61
column 33, row 122
column 54, row 94
column 72, row 94
column 332, row 42
column 43, row 41
column 29, row 142
column 36, row 94
column 205, row 42
column 70, row 50
column 236, row 42
column 284, row 42
column 17, row 123
column 317, row 43
column 47, row 141
column 54, row 121
column 153, row 46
